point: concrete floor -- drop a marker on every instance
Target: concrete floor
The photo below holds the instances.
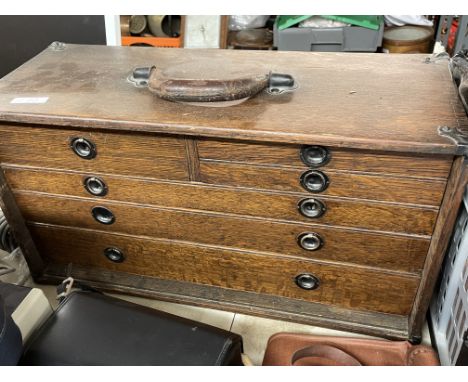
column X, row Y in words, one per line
column 255, row 331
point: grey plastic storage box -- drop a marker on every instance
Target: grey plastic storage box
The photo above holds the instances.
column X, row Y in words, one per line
column 449, row 307
column 340, row 39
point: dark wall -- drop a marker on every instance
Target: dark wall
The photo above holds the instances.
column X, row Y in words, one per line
column 22, row 37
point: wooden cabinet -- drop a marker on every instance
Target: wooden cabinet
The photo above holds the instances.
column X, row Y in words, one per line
column 331, row 206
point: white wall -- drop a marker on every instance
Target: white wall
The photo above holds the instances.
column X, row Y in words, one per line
column 112, row 29
column 202, row 31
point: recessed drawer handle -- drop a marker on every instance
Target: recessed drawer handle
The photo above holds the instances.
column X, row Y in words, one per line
column 314, row 181
column 95, row 186
column 314, row 156
column 83, row 148
column 103, row 215
column 310, row 241
column 311, row 208
column 307, row 281
column 114, row 254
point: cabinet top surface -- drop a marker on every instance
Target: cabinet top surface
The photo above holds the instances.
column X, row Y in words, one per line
column 373, row 101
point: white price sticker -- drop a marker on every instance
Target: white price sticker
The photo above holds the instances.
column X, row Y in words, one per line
column 30, row 100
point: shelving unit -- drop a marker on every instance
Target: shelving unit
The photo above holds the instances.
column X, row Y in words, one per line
column 147, row 39
column 160, row 42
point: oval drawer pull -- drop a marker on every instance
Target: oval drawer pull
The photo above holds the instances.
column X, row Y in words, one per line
column 114, row 254
column 103, row 215
column 307, row 281
column 95, row 186
column 314, row 156
column 311, row 208
column 310, row 241
column 84, row 148
column 314, row 181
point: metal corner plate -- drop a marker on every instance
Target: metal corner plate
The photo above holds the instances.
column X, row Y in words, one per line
column 457, row 137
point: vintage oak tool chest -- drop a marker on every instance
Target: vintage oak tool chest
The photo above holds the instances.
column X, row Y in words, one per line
column 330, row 205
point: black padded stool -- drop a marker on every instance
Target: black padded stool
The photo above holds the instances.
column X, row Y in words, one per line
column 90, row 328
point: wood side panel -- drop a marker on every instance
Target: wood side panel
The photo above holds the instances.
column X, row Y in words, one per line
column 365, row 248
column 136, row 154
column 341, row 159
column 344, row 287
column 344, row 184
column 275, row 205
column 18, row 227
column 453, row 199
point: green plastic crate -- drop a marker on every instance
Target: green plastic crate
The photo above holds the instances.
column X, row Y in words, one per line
column 284, row 22
column 371, row 22
column 351, row 38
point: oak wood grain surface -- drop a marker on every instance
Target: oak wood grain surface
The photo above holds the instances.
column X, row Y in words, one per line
column 131, row 154
column 398, row 253
column 373, row 323
column 453, row 200
column 379, row 216
column 346, row 287
column 192, row 159
column 371, row 101
column 422, row 166
column 342, row 183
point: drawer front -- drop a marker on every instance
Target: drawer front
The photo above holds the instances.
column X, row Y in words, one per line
column 351, row 246
column 132, row 154
column 338, row 212
column 348, row 287
column 339, row 159
column 427, row 192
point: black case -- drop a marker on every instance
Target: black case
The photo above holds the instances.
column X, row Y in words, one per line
column 90, row 328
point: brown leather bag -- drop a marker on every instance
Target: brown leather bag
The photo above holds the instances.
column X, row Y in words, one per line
column 289, row 349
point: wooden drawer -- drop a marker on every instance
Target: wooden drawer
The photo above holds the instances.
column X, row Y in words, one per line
column 422, row 166
column 275, row 205
column 400, row 253
column 133, row 154
column 348, row 287
column 427, row 192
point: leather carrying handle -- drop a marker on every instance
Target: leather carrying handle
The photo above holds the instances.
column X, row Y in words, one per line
column 190, row 90
column 323, row 355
